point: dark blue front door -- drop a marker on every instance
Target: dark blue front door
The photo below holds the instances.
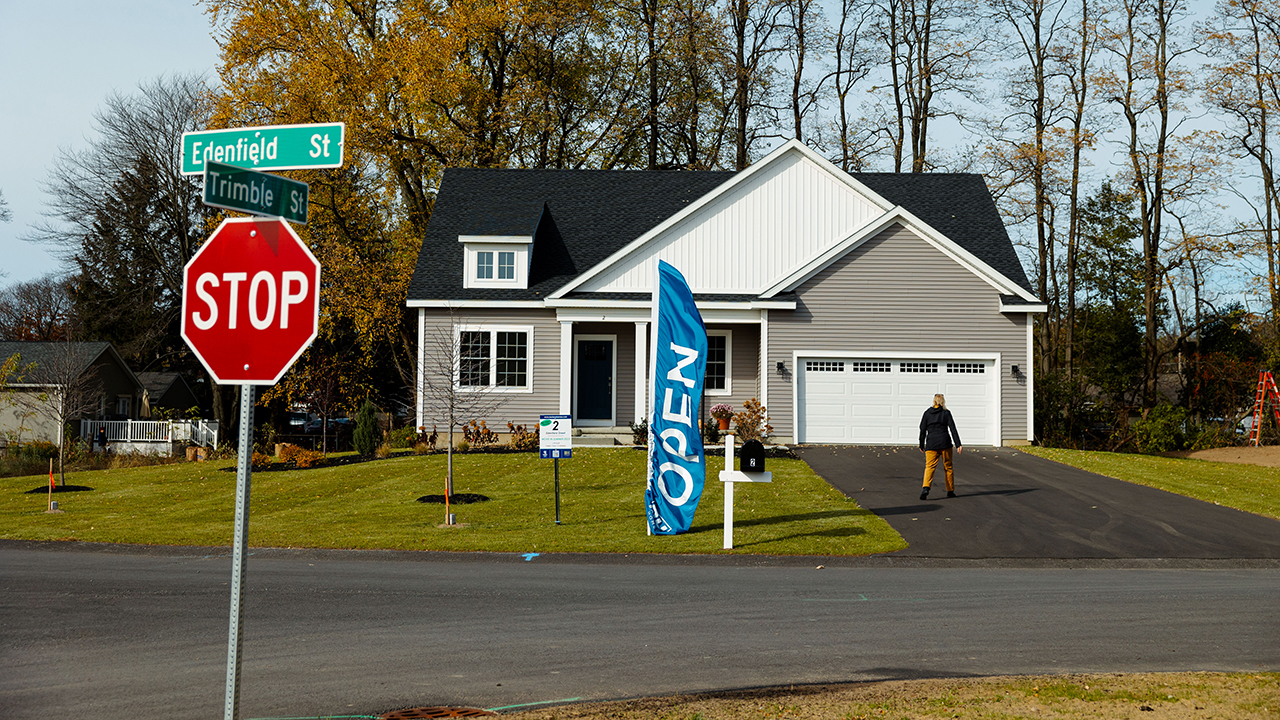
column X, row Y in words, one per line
column 595, row 380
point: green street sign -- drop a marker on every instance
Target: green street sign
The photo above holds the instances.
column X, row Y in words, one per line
column 269, row 147
column 236, row 188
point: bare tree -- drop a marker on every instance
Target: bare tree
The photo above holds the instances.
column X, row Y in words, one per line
column 126, row 218
column 751, row 24
column 454, row 386
column 853, row 64
column 62, row 385
column 6, row 215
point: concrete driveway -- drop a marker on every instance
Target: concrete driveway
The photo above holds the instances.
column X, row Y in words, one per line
column 1014, row 505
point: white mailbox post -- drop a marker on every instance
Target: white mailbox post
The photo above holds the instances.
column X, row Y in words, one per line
column 729, row 476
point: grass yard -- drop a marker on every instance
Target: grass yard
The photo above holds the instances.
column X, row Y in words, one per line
column 373, row 505
column 1251, row 488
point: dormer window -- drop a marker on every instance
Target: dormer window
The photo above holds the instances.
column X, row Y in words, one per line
column 496, row 261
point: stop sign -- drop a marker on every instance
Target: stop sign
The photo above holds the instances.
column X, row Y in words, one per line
column 250, row 301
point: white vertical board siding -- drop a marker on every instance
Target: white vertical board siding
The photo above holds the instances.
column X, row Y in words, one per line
column 751, row 237
column 544, row 363
column 898, row 296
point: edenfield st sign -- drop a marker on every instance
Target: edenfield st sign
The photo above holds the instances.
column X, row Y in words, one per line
column 267, row 147
column 235, row 188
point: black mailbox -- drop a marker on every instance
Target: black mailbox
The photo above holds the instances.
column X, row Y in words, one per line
column 752, row 456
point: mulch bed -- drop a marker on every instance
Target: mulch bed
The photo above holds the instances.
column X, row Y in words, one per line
column 455, row 499
column 44, row 489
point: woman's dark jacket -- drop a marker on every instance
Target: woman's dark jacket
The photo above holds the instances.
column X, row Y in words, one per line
column 933, row 429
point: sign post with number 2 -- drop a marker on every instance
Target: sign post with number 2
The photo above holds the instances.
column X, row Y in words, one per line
column 555, row 441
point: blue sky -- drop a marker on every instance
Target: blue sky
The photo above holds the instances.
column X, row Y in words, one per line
column 61, row 58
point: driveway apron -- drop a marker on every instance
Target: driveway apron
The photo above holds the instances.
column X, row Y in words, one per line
column 1011, row 504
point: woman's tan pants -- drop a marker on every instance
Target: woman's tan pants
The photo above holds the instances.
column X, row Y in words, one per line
column 931, row 464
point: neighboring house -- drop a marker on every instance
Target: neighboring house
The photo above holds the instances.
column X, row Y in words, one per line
column 842, row 302
column 167, row 390
column 116, row 390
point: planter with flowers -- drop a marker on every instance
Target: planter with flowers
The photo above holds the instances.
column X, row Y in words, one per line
column 723, row 413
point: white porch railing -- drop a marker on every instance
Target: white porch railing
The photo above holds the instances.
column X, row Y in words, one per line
column 200, row 432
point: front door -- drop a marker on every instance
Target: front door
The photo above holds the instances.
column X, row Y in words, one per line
column 593, row 398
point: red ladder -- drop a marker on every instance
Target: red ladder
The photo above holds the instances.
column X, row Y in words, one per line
column 1266, row 391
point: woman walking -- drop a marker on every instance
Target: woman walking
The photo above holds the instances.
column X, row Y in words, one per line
column 937, row 428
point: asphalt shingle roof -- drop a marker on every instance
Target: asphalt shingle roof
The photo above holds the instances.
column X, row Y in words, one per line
column 590, row 214
column 51, row 354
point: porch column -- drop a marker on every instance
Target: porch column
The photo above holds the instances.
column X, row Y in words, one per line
column 642, row 375
column 566, row 367
column 764, row 358
column 418, row 379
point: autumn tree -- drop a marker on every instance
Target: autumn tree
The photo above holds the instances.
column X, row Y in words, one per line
column 1148, row 84
column 932, row 52
column 62, row 385
column 39, row 309
column 1244, row 44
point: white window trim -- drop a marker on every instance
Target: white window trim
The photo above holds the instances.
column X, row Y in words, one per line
column 613, row 399
column 471, row 266
column 493, row 331
column 728, row 363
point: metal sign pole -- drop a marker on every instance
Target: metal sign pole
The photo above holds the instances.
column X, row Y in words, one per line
column 557, row 462
column 244, row 468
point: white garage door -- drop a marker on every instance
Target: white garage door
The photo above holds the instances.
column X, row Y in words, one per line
column 879, row 402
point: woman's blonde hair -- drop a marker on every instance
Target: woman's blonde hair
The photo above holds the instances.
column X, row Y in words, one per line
column 939, row 401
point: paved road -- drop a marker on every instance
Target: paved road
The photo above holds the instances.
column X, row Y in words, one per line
column 1014, row 505
column 121, row 634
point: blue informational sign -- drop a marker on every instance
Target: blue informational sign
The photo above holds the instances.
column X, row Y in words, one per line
column 555, row 454
column 677, row 367
column 555, row 437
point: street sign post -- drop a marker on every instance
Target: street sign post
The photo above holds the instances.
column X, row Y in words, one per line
column 555, row 441
column 259, row 193
column 250, row 307
column 267, row 147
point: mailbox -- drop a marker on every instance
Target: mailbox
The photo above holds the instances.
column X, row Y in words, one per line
column 752, row 456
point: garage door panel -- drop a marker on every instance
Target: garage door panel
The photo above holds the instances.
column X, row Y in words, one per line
column 843, row 403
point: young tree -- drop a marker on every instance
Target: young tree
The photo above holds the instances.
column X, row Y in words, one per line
column 454, row 387
column 62, row 385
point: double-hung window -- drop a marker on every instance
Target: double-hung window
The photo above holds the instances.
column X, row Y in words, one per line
column 495, row 358
column 719, row 355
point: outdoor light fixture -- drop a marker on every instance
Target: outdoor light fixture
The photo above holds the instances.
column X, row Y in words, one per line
column 1015, row 371
column 782, row 368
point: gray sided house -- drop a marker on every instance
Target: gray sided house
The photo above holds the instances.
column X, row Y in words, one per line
column 165, row 391
column 842, row 302
column 110, row 388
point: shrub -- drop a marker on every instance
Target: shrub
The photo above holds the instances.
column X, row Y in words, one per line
column 428, row 439
column 640, row 433
column 405, row 437
column 478, row 435
column 383, row 451
column 38, row 450
column 711, row 432
column 463, row 445
column 521, row 438
column 1163, row 429
column 300, row 457
column 753, row 422
column 365, row 438
column 423, row 448
column 261, row 461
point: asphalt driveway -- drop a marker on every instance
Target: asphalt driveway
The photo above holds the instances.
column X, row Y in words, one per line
column 1014, row 505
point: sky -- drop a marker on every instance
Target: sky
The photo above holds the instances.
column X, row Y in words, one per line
column 61, row 59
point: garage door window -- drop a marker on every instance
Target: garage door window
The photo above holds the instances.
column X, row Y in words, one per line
column 966, row 367
column 823, row 366
column 873, row 366
column 918, row 367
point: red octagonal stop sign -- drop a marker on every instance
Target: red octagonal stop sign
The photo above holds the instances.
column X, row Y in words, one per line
column 250, row 301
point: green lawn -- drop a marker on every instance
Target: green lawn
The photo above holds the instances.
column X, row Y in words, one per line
column 372, row 505
column 1250, row 488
